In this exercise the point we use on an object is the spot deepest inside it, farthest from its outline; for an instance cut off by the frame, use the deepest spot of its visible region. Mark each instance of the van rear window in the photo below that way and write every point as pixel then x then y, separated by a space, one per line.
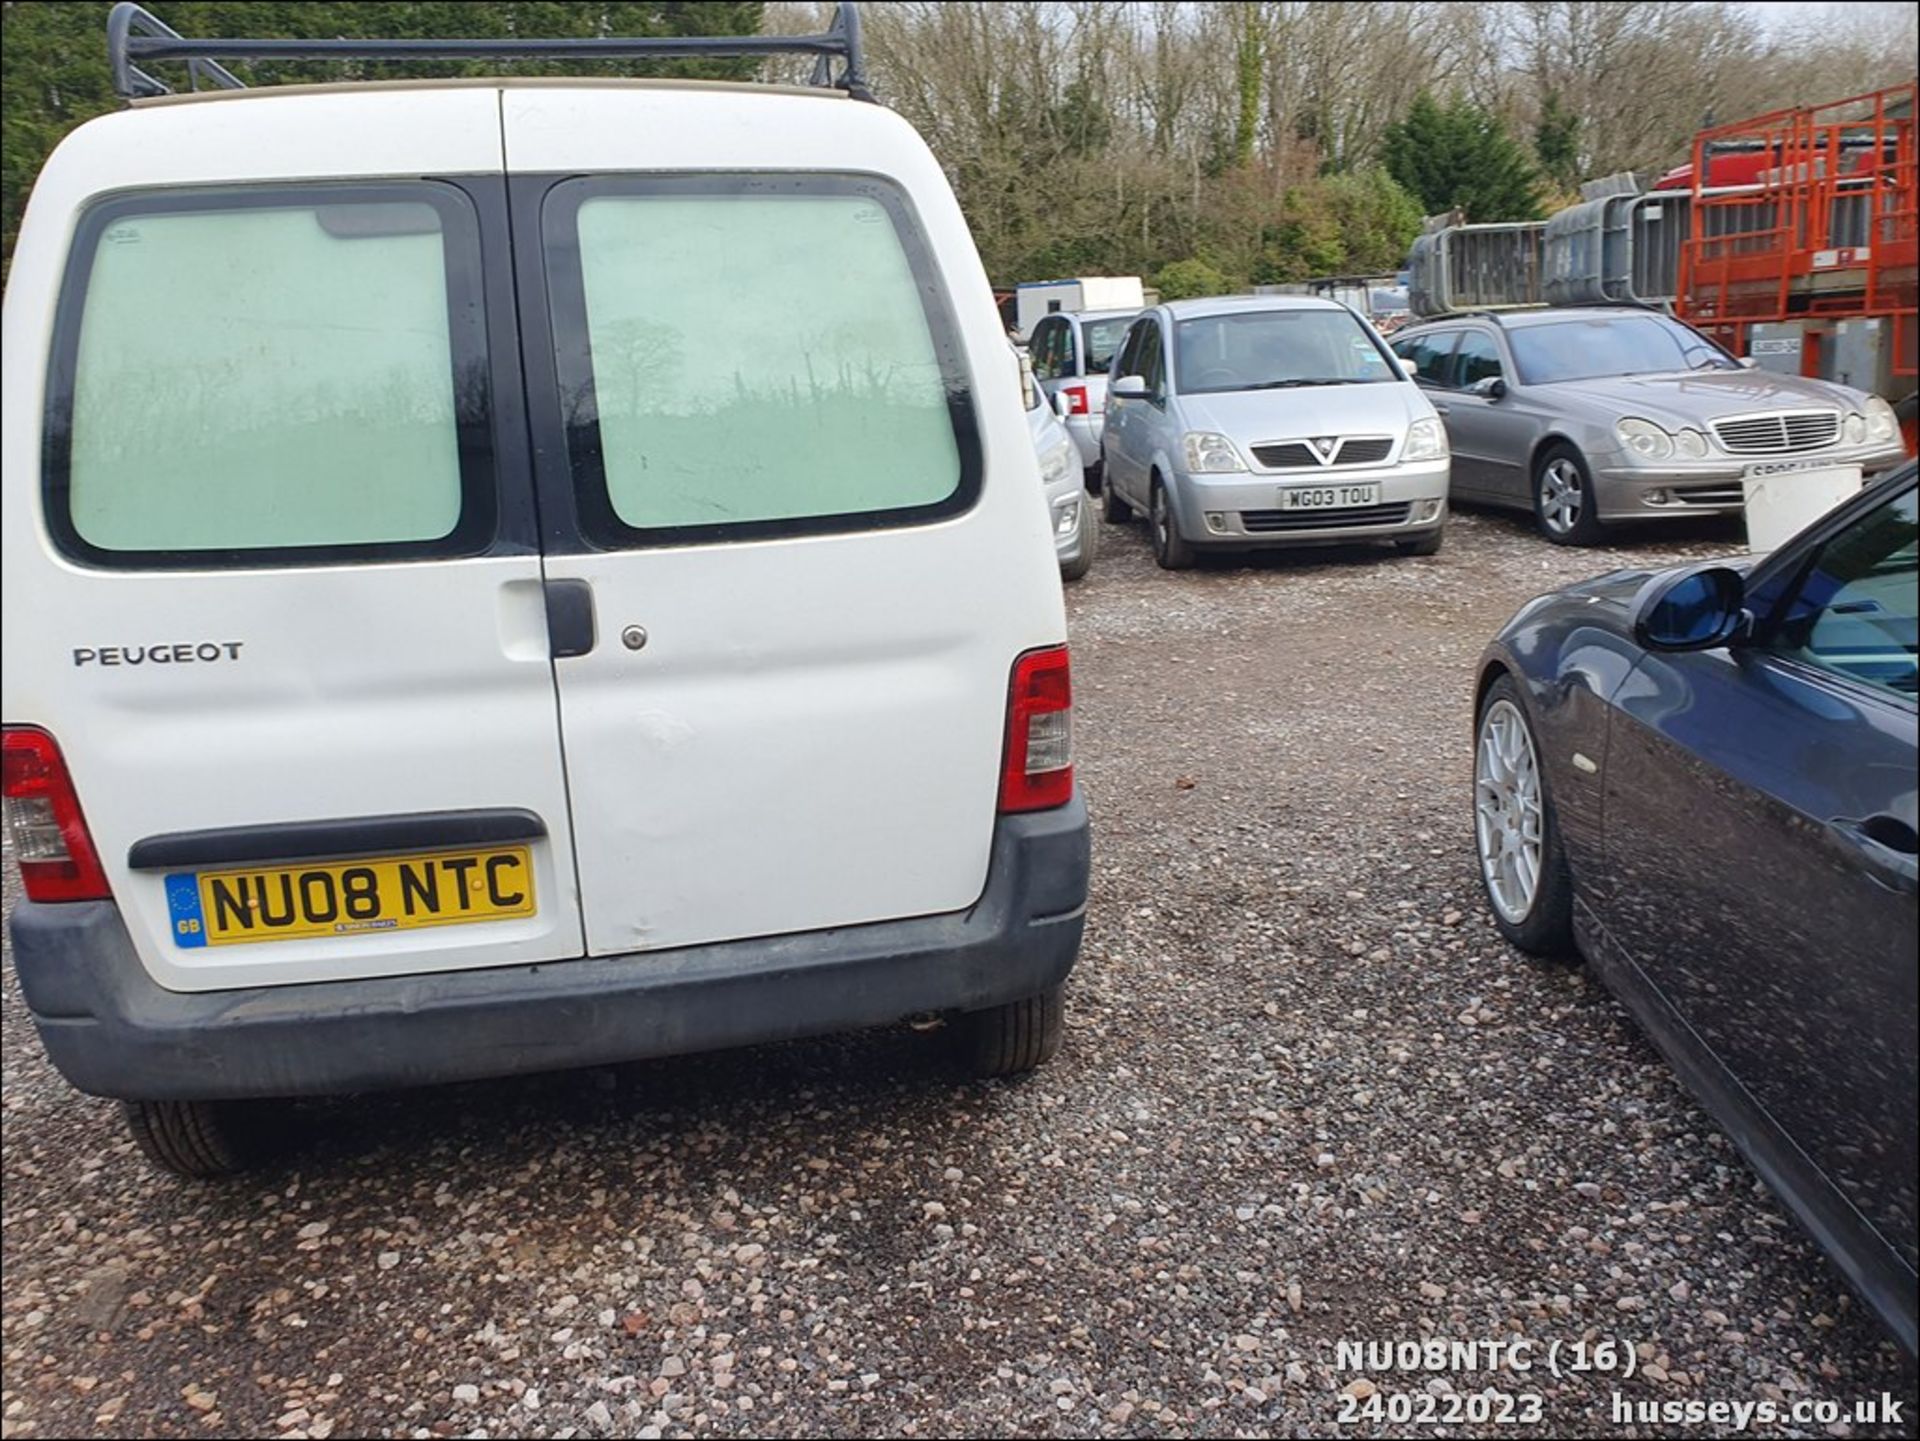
pixel 252 376
pixel 751 356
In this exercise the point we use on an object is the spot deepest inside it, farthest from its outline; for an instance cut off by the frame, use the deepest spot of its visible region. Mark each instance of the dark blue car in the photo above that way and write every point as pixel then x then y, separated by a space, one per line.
pixel 1704 780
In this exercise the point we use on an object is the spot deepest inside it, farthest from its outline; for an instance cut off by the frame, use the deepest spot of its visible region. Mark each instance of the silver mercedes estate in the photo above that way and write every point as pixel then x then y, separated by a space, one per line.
pixel 1591 416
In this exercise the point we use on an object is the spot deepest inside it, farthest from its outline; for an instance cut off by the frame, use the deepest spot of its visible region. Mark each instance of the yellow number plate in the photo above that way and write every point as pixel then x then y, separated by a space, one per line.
pixel 344 898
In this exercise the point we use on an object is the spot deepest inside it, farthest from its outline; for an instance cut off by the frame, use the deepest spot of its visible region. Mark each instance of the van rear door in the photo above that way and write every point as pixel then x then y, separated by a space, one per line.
pixel 276 590
pixel 784 452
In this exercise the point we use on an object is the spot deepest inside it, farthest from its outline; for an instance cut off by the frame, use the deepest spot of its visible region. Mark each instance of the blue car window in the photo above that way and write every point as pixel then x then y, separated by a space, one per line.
pixel 1857 609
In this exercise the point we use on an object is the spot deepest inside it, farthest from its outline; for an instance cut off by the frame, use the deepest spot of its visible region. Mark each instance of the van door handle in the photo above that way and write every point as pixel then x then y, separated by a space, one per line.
pixel 1439 410
pixel 1885 845
pixel 569 618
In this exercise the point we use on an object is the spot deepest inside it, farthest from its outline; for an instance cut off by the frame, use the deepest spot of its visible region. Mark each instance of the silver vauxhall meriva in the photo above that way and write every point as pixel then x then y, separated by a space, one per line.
pixel 1243 422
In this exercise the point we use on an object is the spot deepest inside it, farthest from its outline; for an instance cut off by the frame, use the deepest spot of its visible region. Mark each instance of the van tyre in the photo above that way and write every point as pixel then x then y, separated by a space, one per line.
pixel 1089 546
pixel 1170 548
pixel 1013 1039
pixel 1564 506
pixel 196 1139
pixel 1540 923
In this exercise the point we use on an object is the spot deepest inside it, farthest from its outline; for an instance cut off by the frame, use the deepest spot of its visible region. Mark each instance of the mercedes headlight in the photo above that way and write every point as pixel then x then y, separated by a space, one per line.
pixel 1690 444
pixel 1882 424
pixel 1643 439
pixel 1211 453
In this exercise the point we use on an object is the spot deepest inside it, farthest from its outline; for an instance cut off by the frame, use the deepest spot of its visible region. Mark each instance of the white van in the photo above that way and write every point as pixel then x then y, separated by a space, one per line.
pixel 509 575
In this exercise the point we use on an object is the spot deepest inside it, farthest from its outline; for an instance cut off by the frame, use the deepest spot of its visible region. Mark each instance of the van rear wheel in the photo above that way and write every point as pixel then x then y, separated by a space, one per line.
pixel 1013 1039
pixel 196 1139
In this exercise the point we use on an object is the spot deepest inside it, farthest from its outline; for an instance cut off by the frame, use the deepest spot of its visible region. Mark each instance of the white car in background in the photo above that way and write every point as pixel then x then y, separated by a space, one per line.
pixel 1076 529
pixel 1072 351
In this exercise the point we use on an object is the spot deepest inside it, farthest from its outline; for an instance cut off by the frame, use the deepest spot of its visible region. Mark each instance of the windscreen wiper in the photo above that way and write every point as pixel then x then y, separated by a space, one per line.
pixel 1294 384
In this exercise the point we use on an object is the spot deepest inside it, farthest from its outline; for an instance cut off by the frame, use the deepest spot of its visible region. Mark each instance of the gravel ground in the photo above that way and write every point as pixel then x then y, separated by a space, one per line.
pixel 1307 1096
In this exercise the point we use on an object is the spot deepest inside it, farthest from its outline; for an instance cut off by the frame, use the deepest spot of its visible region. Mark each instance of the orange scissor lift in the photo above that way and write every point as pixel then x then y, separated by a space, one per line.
pixel 1803 242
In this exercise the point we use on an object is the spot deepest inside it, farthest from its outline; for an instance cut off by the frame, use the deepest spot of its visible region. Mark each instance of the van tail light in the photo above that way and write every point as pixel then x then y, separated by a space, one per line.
pixel 1076 398
pixel 1037 774
pixel 50 841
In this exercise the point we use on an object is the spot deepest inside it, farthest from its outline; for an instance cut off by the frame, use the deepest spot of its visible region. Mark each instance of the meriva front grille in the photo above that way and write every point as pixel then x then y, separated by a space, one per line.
pixel 1302 454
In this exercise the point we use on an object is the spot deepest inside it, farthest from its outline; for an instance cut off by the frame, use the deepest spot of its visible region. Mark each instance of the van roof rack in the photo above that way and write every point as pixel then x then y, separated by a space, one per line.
pixel 135 34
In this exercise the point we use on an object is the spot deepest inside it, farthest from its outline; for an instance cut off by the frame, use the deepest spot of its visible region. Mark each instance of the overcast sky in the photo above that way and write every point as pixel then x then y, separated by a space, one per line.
pixel 1772 13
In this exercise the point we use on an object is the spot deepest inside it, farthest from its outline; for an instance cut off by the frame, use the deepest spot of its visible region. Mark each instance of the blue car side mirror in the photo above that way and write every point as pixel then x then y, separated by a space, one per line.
pixel 1694 609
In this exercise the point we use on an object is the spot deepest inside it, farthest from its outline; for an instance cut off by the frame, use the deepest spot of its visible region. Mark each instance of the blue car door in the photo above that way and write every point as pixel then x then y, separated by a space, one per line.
pixel 1760 849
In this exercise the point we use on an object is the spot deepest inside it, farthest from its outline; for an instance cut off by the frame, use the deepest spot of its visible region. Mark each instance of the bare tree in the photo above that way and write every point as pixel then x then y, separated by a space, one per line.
pixel 1121 134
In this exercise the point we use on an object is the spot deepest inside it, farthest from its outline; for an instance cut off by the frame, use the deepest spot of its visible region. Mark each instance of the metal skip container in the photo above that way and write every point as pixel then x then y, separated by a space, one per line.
pixel 1586 254
pixel 1658 224
pixel 1619 246
pixel 1475 267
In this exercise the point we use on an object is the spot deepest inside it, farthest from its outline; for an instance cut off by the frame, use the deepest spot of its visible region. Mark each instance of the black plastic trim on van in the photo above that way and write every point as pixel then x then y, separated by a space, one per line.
pixel 496 505
pixel 353 836
pixel 111 1030
pixel 576 510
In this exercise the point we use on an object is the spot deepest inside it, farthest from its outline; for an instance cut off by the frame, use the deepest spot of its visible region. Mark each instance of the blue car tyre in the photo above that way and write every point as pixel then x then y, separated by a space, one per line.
pixel 1522 864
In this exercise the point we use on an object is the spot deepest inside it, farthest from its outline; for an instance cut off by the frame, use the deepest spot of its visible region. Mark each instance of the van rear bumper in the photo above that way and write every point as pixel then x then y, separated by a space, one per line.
pixel 111 1031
